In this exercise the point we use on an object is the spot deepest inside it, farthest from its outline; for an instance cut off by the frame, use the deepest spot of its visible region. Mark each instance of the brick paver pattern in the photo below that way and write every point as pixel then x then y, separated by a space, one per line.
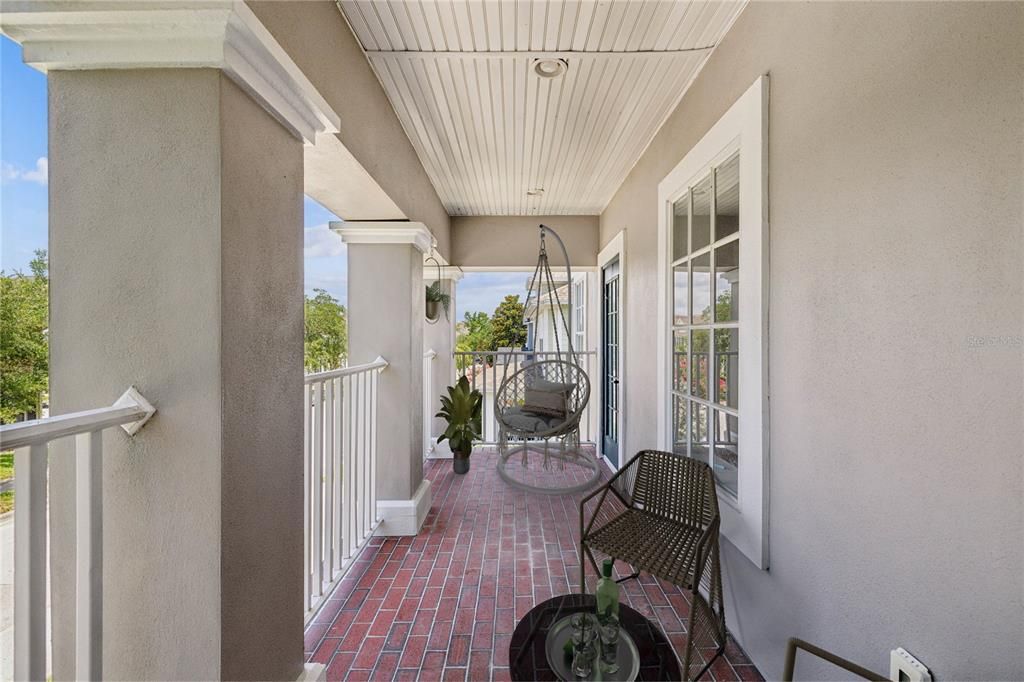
pixel 443 604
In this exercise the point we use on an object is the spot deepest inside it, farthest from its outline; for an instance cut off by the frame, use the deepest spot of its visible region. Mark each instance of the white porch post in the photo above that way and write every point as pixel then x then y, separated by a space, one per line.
pixel 176 176
pixel 386 318
pixel 440 337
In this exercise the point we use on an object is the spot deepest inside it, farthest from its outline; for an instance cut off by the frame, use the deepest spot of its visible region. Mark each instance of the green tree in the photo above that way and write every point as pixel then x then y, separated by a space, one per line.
pixel 509 328
pixel 326 342
pixel 24 347
pixel 474 334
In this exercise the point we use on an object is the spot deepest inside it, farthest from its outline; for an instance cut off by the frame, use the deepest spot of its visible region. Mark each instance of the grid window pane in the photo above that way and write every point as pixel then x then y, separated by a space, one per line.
pixel 680 227
pixel 680 360
pixel 681 294
pixel 726 450
pixel 727 198
pixel 727 282
pixel 699 431
pixel 699 361
pixel 680 424
pixel 700 218
pixel 727 366
pixel 701 267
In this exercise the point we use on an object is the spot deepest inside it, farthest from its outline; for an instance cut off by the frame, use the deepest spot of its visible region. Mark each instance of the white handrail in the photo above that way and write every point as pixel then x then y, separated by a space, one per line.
pixel 379 363
pixel 37 431
pixel 30 441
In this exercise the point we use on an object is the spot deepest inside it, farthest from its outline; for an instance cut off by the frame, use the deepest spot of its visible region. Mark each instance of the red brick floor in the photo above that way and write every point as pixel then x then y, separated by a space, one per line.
pixel 443 604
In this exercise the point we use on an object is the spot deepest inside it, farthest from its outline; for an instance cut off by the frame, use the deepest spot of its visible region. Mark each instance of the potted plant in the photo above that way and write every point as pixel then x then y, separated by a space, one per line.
pixel 437 298
pixel 462 408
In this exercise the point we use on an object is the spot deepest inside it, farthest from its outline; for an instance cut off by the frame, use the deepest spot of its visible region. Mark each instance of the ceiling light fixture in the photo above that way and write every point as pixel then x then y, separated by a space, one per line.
pixel 549 67
pixel 535 192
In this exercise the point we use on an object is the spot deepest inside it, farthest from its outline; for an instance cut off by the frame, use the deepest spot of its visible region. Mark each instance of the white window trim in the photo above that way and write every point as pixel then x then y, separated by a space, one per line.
pixel 615 249
pixel 744 127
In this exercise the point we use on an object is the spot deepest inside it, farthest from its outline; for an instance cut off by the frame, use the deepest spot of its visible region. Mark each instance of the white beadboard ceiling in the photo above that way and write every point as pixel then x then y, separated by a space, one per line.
pixel 488 130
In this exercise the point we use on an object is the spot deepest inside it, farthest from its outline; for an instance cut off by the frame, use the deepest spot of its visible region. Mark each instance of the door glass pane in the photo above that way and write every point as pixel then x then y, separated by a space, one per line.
pixel 727 366
pixel 727 198
pixel 702 289
pixel 699 431
pixel 680 222
pixel 680 423
pixel 700 220
pixel 726 450
pixel 680 343
pixel 727 282
pixel 681 294
pixel 699 353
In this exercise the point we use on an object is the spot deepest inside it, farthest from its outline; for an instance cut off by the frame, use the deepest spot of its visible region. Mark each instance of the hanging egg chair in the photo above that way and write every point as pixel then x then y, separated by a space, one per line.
pixel 541 403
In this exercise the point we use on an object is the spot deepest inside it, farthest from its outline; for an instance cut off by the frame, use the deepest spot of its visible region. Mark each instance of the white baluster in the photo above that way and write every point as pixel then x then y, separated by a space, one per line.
pixel 30 563
pixel 89 556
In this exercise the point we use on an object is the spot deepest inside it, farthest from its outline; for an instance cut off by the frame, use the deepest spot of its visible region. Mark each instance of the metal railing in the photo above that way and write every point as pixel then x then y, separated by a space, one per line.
pixel 340 473
pixel 31 442
pixel 487 369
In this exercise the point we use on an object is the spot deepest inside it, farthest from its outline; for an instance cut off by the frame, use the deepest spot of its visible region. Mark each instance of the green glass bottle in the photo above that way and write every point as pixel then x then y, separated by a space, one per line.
pixel 607 594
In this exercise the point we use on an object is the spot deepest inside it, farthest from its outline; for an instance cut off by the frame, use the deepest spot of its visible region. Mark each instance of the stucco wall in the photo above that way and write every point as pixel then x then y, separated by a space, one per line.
pixel 896 168
pixel 135 276
pixel 385 314
pixel 512 241
pixel 262 369
pixel 317 37
pixel 175 252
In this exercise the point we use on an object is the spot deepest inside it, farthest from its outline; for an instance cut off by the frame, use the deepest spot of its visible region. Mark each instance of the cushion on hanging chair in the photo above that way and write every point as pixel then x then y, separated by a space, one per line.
pixel 518 418
pixel 548 398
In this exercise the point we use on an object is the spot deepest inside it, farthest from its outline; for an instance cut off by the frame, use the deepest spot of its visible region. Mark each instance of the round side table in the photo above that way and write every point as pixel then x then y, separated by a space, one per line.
pixel 528 660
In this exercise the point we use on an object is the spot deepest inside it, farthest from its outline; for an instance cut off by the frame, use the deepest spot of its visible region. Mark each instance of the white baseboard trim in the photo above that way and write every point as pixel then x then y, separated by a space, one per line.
pixel 440 450
pixel 313 672
pixel 404 517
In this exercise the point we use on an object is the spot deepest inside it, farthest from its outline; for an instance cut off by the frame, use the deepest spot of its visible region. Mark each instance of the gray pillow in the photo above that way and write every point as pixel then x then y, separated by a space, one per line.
pixel 548 398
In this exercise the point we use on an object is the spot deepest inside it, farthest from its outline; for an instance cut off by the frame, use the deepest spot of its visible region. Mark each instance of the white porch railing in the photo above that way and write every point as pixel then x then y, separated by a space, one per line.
pixel 30 442
pixel 486 370
pixel 340 467
pixel 428 401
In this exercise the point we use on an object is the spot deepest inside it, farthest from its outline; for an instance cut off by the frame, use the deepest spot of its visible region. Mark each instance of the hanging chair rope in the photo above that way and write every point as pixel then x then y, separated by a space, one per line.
pixel 517 422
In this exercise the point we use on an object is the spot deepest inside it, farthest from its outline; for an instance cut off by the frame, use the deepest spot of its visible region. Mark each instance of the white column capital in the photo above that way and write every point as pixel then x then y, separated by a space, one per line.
pixel 385 232
pixel 145 34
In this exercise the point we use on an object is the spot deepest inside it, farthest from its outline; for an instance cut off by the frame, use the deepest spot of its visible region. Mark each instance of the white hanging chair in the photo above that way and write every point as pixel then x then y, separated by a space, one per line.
pixel 543 401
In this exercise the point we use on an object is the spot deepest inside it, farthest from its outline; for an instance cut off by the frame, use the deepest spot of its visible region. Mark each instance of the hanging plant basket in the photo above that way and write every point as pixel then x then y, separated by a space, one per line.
pixel 436 298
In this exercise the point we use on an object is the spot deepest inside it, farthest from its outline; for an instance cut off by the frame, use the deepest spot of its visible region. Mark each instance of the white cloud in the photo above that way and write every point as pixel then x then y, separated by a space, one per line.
pixel 320 242
pixel 39 175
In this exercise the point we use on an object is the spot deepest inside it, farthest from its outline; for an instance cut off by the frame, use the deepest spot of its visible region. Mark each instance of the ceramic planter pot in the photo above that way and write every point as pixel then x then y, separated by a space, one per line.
pixel 460 464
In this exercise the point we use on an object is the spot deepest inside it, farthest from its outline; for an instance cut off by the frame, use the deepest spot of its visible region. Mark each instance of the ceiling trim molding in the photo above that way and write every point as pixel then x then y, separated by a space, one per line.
pixel 381 232
pixel 452 272
pixel 141 34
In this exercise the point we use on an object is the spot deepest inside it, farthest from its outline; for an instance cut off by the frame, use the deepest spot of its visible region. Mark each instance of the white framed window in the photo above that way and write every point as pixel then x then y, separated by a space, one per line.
pixel 712 315
pixel 579 322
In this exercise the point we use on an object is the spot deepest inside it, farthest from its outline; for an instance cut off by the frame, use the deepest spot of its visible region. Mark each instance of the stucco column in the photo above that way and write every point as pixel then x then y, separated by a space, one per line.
pixel 386 317
pixel 440 337
pixel 175 241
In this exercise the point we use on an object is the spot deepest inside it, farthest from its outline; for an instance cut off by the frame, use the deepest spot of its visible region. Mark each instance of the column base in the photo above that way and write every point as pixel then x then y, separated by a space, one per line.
pixel 313 672
pixel 404 517
pixel 440 450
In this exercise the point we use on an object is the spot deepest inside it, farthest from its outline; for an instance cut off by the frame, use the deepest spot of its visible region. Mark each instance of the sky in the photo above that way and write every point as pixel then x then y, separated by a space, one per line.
pixel 23 199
